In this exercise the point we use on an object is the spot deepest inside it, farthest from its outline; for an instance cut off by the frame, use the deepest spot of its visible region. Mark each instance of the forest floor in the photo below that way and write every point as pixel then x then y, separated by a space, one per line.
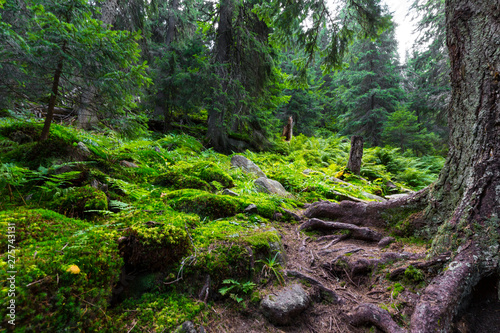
pixel 317 256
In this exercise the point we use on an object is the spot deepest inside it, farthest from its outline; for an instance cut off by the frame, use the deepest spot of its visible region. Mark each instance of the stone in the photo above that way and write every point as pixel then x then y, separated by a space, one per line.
pixel 128 164
pixel 252 209
pixel 186 327
pixel 157 149
pixel 248 166
pixel 373 197
pixel 385 241
pixel 83 147
pixel 229 192
pixel 284 306
pixel 270 186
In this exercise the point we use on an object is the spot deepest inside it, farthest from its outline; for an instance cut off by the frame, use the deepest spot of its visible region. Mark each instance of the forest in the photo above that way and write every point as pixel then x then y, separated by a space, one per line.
pixel 249 166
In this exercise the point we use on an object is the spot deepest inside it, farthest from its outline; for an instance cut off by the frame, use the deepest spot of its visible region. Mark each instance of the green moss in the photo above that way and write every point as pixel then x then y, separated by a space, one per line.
pixel 154 246
pixel 204 203
pixel 81 200
pixel 155 312
pixel 207 171
pixel 49 297
pixel 180 180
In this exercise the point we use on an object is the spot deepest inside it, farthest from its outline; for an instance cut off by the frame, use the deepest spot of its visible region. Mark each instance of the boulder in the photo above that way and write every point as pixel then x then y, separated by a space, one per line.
pixel 251 209
pixel 248 166
pixel 128 164
pixel 270 186
pixel 83 147
pixel 186 327
pixel 283 307
pixel 229 192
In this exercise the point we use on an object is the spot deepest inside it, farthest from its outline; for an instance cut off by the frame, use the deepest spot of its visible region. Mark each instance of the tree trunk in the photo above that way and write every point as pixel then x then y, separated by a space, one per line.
pixel 172 22
pixel 53 97
pixel 464 204
pixel 87 116
pixel 356 155
pixel 217 131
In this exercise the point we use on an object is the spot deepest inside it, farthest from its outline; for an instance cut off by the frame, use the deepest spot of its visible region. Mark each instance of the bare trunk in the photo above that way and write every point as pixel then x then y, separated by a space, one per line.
pixel 356 155
pixel 172 22
pixel 216 131
pixel 87 115
pixel 465 202
pixel 53 97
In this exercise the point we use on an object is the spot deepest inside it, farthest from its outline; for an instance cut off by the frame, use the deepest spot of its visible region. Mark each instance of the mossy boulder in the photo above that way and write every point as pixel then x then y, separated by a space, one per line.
pixel 206 171
pixel 62 268
pixel 204 203
pixel 80 201
pixel 154 246
pixel 179 180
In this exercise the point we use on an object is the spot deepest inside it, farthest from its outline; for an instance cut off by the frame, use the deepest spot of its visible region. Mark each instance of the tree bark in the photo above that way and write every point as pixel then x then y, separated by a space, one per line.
pixel 355 155
pixel 87 116
pixel 216 131
pixel 53 97
pixel 465 202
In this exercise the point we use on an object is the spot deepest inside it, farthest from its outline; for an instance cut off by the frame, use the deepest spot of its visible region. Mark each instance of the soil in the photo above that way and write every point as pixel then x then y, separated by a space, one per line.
pixel 311 255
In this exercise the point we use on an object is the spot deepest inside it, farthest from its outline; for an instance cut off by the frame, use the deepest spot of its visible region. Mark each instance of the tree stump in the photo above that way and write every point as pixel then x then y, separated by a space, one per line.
pixel 356 154
pixel 288 129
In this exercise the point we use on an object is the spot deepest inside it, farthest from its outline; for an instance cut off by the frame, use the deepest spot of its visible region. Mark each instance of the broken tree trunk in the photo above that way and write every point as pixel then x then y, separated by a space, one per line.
pixel 356 155
pixel 288 130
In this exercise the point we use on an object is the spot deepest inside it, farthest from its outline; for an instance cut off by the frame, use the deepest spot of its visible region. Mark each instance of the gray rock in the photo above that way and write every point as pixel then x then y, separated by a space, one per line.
pixel 83 147
pixel 397 196
pixel 229 192
pixel 128 164
pixel 373 197
pixel 186 327
pixel 252 209
pixel 270 186
pixel 385 241
pixel 247 165
pixel 283 307
pixel 157 149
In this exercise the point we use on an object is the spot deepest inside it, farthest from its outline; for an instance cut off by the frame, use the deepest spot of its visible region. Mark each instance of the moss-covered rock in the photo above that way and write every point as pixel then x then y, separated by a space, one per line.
pixel 204 203
pixel 178 180
pixel 80 201
pixel 154 246
pixel 65 273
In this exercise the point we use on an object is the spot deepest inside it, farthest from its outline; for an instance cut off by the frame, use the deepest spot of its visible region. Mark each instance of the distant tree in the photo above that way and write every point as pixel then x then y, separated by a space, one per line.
pixel 66 50
pixel 368 91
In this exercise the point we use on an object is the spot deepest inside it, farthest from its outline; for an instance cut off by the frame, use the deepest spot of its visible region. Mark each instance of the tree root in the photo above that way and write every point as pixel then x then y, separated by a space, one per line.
pixel 445 296
pixel 361 266
pixel 356 232
pixel 368 214
pixel 438 261
pixel 334 297
pixel 371 314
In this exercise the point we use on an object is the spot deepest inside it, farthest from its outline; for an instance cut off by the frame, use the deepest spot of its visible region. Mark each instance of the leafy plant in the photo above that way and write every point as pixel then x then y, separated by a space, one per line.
pixel 238 289
pixel 273 266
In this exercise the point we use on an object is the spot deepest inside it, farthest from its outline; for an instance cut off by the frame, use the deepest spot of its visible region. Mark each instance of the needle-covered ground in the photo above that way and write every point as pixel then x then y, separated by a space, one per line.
pixel 143 235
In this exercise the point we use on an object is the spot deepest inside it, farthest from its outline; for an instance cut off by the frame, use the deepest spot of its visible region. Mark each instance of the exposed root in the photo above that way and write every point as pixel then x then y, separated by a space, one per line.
pixel 438 261
pixel 446 295
pixel 369 214
pixel 356 232
pixel 361 266
pixel 334 297
pixel 371 314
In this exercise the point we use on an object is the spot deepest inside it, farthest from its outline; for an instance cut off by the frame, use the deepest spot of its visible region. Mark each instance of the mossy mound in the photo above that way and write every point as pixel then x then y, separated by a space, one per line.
pixel 204 203
pixel 37 225
pixel 81 201
pixel 177 180
pixel 154 246
pixel 60 147
pixel 206 171
pixel 63 283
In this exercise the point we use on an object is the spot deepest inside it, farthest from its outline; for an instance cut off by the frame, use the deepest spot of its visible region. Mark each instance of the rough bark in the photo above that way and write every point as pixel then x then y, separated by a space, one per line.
pixel 288 129
pixel 465 201
pixel 371 314
pixel 355 155
pixel 87 115
pixel 216 130
pixel 356 232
